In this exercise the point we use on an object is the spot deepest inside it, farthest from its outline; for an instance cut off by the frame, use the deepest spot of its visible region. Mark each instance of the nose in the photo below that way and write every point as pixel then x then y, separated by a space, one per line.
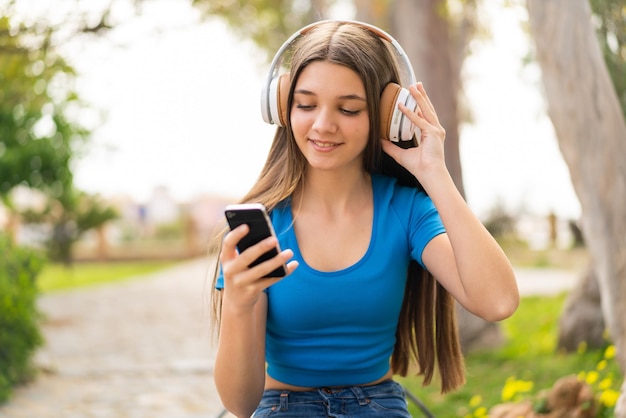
pixel 324 120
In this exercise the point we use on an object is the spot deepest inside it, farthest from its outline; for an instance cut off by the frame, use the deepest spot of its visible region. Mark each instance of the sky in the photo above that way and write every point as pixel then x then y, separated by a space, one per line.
pixel 180 99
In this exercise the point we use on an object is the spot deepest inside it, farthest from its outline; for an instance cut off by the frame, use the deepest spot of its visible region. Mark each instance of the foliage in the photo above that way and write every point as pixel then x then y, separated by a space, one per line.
pixel 528 361
pixel 71 214
pixel 266 22
pixel 19 329
pixel 611 28
pixel 37 139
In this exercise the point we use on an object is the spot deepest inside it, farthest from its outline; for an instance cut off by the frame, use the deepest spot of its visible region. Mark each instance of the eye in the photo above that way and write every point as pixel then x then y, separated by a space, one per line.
pixel 350 112
pixel 304 106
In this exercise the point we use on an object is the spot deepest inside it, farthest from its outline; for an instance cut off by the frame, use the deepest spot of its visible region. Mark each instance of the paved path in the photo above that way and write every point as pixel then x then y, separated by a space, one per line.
pixel 142 348
pixel 137 349
pixel 545 281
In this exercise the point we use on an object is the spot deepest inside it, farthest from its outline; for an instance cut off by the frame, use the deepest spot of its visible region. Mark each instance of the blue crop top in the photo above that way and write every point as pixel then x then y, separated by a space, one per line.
pixel 338 328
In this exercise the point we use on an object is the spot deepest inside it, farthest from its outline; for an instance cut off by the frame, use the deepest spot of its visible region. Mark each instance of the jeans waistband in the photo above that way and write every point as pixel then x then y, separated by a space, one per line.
pixel 359 392
pixel 383 399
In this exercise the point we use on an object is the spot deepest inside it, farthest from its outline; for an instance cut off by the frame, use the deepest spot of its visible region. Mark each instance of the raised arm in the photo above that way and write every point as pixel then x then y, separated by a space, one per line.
pixel 466 260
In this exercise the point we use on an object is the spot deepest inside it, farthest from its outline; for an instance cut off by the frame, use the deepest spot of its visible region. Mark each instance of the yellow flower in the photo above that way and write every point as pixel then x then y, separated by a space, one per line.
pixel 513 386
pixel 609 398
pixel 525 385
pixel 605 383
pixel 475 401
pixel 481 412
pixel 609 353
pixel 601 365
pixel 592 377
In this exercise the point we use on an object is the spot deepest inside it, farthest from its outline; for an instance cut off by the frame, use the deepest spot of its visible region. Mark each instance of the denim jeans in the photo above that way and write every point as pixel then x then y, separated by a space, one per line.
pixel 385 399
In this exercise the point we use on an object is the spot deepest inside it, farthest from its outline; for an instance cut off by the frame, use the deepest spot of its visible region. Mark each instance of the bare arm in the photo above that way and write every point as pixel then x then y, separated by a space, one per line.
pixel 240 361
pixel 466 260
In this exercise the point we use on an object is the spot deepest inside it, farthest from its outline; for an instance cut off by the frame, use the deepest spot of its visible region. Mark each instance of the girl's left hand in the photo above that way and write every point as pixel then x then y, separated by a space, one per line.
pixel 429 157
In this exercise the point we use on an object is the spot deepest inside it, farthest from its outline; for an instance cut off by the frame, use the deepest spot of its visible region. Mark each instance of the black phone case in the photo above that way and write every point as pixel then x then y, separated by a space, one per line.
pixel 259 230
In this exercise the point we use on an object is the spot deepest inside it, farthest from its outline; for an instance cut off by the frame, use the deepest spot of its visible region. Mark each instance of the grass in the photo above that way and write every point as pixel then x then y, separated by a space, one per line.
pixel 529 355
pixel 55 277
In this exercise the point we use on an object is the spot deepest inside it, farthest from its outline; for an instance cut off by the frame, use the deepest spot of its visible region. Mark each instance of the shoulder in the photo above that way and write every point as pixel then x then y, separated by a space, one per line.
pixel 408 205
pixel 387 190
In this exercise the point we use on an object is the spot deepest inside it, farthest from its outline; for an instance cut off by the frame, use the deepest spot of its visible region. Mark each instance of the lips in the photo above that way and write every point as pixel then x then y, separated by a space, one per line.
pixel 324 145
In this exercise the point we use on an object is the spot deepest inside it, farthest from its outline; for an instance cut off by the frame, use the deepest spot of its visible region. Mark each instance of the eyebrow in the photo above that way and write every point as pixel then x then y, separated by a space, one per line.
pixel 344 97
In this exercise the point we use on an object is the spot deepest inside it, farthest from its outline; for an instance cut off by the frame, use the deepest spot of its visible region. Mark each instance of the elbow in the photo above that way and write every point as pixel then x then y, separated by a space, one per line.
pixel 495 306
pixel 502 311
pixel 502 307
pixel 239 412
pixel 505 300
pixel 238 401
pixel 241 408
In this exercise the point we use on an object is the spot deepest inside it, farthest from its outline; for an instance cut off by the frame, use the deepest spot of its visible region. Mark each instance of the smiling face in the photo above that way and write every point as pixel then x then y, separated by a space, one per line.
pixel 329 116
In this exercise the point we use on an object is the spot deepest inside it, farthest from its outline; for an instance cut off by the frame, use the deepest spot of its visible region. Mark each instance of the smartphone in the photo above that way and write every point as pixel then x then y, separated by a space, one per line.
pixel 255 216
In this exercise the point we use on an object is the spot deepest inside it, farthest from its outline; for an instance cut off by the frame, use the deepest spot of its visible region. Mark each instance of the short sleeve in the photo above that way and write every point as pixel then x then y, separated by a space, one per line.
pixel 425 225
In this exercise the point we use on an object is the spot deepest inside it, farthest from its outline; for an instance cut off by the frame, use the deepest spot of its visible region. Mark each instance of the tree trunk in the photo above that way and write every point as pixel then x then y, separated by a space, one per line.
pixel 582 321
pixel 591 131
pixel 102 253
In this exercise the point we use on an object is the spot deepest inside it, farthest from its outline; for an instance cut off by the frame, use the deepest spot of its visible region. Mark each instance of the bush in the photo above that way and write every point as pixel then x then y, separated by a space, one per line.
pixel 19 319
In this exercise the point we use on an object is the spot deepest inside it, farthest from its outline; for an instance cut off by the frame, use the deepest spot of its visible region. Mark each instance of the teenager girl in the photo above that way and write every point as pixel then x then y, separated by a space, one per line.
pixel 373 263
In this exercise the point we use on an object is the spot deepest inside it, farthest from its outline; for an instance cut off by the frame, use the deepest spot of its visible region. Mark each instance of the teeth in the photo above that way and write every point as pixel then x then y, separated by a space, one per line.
pixel 324 144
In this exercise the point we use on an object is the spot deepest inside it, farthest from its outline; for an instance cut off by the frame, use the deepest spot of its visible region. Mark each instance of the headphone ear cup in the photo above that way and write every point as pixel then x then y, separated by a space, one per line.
pixel 274 100
pixel 394 125
pixel 282 98
pixel 388 102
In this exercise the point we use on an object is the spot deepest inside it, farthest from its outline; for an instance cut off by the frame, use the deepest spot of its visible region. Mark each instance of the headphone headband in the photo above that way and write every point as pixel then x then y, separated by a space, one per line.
pixel 274 67
pixel 395 126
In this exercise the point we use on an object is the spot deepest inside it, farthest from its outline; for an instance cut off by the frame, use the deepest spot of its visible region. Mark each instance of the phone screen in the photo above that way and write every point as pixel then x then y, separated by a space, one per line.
pixel 255 216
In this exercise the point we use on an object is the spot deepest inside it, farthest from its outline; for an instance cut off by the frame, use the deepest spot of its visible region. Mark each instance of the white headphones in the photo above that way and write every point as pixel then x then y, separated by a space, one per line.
pixel 395 126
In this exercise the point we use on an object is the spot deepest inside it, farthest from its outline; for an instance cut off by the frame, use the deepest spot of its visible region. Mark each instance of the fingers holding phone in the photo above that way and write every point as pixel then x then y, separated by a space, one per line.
pixel 250 250
pixel 263 259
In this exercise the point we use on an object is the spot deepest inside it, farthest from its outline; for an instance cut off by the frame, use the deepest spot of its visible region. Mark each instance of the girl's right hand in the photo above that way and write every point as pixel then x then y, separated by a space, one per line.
pixel 243 285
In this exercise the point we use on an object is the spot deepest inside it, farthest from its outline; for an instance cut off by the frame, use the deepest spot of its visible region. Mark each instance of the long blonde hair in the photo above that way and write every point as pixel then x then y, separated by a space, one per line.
pixel 427 330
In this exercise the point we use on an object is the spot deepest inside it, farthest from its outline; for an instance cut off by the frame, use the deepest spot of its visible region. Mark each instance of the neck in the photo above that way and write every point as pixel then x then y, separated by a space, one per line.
pixel 332 191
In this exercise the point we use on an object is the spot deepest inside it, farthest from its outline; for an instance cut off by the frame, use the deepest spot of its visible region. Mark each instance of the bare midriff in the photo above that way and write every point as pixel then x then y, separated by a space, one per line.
pixel 271 383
